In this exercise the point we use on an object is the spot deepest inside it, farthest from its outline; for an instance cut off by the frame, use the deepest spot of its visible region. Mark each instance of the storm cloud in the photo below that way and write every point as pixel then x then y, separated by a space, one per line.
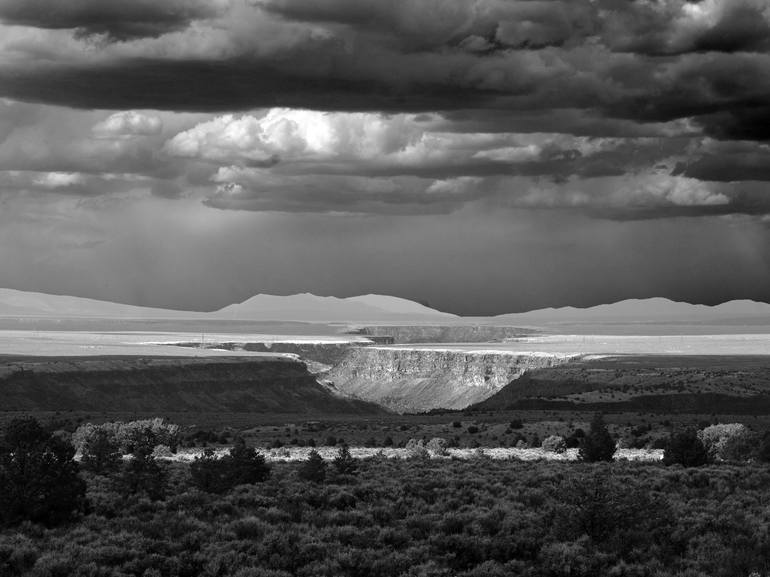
pixel 577 113
pixel 114 19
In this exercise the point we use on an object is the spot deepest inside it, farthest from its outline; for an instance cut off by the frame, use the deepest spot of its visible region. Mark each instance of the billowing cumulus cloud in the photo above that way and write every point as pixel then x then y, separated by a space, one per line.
pixel 128 124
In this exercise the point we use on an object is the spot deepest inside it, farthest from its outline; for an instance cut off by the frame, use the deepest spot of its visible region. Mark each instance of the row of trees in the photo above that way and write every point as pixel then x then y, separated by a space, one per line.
pixel 40 478
pixel 691 448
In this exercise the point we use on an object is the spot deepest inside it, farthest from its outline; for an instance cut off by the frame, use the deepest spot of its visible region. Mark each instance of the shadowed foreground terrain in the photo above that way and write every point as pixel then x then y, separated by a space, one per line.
pixel 161 385
pixel 419 518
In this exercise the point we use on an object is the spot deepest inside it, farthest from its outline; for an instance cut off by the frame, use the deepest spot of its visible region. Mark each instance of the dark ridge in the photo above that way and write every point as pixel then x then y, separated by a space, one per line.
pixel 702 384
pixel 162 384
pixel 690 403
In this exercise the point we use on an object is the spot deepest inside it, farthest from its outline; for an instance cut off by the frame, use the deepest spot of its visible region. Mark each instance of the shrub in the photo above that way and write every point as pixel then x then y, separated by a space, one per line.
pixel 516 424
pixel 344 463
pixel 416 448
pixel 716 437
pixel 314 468
pixel 208 474
pixel 763 450
pixel 741 447
pixel 554 444
pixel 598 444
pixel 243 465
pixel 437 446
pixel 685 448
pixel 142 435
pixel 100 453
pixel 38 476
pixel 143 475
pixel 161 452
pixel 246 466
pixel 473 429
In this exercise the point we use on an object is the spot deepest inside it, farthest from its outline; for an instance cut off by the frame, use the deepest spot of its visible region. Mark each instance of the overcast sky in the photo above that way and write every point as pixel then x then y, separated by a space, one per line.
pixel 483 156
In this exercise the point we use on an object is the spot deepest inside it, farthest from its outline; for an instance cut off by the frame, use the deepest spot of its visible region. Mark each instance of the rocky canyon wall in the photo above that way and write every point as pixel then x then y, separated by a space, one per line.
pixel 421 379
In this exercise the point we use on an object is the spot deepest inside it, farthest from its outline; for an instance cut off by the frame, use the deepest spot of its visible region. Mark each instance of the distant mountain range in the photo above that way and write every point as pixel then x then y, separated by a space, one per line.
pixel 652 310
pixel 382 308
pixel 309 307
pixel 300 307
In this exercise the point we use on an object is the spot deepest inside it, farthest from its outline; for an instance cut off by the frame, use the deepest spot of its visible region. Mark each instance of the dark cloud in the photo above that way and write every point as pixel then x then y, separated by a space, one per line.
pixel 528 57
pixel 729 162
pixel 435 147
pixel 524 92
pixel 115 19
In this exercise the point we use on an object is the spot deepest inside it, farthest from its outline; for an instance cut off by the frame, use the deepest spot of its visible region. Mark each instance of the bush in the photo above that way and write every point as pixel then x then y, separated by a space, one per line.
pixel 142 435
pixel 598 444
pixel 437 446
pixel 763 449
pixel 716 438
pixel 416 449
pixel 554 444
pixel 243 465
pixel 208 474
pixel 39 479
pixel 100 453
pixel 685 448
pixel 314 468
pixel 741 447
pixel 143 475
pixel 344 463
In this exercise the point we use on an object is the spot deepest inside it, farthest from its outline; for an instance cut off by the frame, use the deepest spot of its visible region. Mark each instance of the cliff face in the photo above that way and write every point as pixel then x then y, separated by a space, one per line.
pixel 441 334
pixel 164 384
pixel 421 379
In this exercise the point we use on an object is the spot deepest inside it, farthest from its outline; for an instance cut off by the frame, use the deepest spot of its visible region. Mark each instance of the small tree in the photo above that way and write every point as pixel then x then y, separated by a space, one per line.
pixel 208 474
pixel 243 465
pixel 143 475
pixel 685 448
pixel 598 444
pixel 100 452
pixel 741 447
pixel 314 468
pixel 38 476
pixel 344 463
pixel 717 437
pixel 246 465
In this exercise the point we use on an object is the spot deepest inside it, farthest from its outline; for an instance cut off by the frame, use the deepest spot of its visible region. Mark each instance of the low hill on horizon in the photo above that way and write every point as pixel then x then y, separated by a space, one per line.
pixel 651 310
pixel 308 307
pixel 299 307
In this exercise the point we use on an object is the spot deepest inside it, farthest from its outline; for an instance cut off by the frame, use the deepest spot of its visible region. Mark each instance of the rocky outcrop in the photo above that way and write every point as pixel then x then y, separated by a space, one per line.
pixel 421 379
pixel 161 385
pixel 398 334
